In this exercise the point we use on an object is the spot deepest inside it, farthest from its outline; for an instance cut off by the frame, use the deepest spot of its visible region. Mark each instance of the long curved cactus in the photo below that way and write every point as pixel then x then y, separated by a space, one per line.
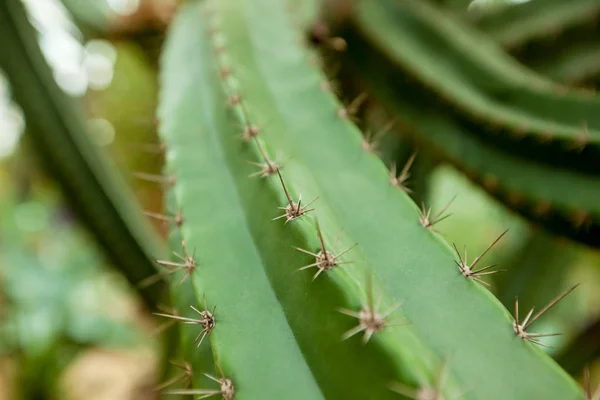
pixel 260 150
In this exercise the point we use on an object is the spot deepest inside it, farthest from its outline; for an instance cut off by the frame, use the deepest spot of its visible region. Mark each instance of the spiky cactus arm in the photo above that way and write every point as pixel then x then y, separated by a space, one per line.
pixel 238 89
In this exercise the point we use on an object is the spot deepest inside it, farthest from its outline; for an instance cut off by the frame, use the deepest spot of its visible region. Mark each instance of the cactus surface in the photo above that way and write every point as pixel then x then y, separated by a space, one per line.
pixel 239 94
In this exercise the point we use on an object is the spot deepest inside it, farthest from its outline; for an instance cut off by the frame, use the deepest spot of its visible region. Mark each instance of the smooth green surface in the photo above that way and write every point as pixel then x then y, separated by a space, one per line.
pixel 90 182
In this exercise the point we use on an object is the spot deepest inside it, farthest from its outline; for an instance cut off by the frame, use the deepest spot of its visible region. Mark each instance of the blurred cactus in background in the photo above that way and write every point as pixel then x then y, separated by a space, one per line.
pixel 315 199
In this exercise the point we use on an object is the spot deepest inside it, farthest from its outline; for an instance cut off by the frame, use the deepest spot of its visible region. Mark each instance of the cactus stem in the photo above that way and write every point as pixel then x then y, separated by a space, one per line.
pixel 186 377
pixel 350 111
pixel 469 271
pixel 401 181
pixel 164 180
pixel 425 216
pixel 324 259
pixel 293 210
pixel 177 218
pixel 521 328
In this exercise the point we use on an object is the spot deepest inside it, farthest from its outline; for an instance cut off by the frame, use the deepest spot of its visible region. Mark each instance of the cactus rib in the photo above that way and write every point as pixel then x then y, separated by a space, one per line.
pixel 524 185
pixel 516 25
pixel 480 86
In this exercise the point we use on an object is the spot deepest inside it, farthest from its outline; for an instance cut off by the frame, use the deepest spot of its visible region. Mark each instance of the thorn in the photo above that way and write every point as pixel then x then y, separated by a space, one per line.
pixel 425 392
pixel 401 180
pixel 425 216
pixel 163 327
pixel 234 99
pixel 581 219
pixel 469 271
pixel 521 328
pixel 225 71
pixel 177 218
pixel 370 321
pixel 226 390
pixel 324 259
pixel 207 321
pixel 293 210
pixel 250 132
pixel 188 263
pixel 164 180
pixel 186 377
pixel 582 140
pixel 267 168
pixel 371 141
pixel 587 386
pixel 153 148
pixel 352 109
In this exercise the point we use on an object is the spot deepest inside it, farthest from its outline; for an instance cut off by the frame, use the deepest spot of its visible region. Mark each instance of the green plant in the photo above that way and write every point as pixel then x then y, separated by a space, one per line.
pixel 60 132
pixel 301 268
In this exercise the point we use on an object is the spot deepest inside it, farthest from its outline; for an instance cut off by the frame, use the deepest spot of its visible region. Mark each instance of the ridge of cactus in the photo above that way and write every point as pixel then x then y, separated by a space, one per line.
pixel 478 84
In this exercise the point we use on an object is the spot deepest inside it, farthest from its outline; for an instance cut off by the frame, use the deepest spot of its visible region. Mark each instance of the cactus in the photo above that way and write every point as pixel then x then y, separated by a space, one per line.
pixel 519 25
pixel 478 84
pixel 291 220
pixel 486 161
pixel 554 38
pixel 301 268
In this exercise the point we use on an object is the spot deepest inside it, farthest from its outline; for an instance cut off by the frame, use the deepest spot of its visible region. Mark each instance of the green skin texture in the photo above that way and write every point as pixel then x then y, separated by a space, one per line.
pixel 267 310
pixel 566 191
pixel 480 84
pixel 90 182
pixel 576 64
pixel 555 38
pixel 518 24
